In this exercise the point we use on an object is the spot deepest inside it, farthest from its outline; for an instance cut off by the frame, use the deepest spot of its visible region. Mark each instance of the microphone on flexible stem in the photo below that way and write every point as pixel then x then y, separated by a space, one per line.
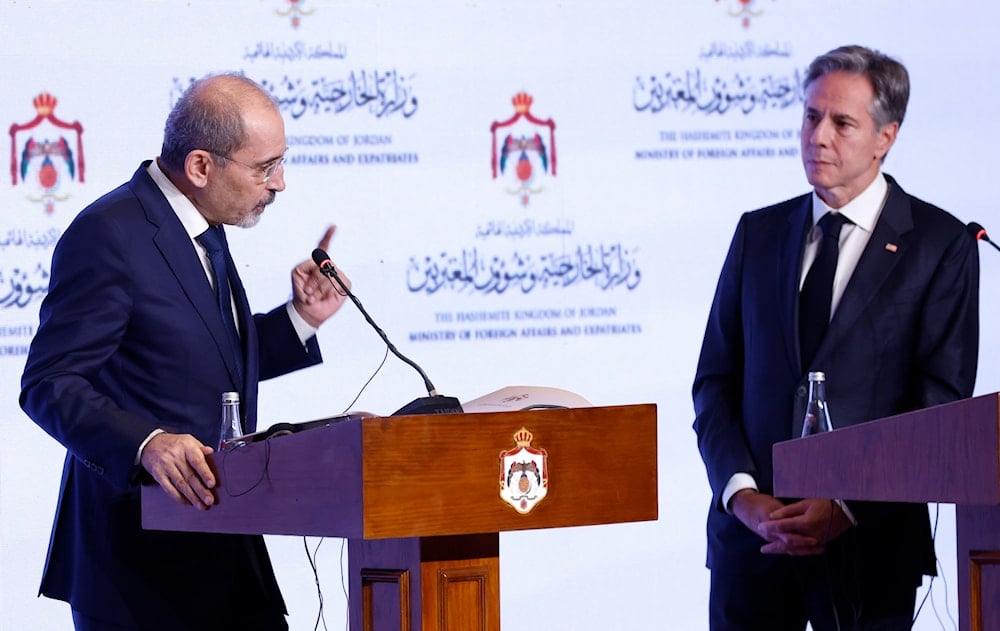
pixel 979 232
pixel 434 403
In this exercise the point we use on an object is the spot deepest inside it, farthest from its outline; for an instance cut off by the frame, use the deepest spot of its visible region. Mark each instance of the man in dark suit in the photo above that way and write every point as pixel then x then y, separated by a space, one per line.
pixel 133 353
pixel 901 333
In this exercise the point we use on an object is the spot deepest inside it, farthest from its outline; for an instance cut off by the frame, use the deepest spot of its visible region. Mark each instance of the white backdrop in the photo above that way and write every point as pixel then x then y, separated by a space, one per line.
pixel 595 274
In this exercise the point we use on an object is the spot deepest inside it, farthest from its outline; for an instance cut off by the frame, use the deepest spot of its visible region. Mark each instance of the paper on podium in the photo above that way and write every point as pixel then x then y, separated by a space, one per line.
pixel 514 398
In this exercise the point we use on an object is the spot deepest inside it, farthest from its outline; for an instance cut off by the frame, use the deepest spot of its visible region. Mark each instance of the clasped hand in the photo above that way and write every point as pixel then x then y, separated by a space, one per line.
pixel 801 528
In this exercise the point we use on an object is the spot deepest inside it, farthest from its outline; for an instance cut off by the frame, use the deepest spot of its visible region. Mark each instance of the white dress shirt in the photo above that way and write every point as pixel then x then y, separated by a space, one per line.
pixel 194 224
pixel 863 212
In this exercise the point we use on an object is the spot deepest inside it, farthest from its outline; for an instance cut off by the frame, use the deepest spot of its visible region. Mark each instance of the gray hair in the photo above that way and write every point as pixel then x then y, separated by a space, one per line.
pixel 209 116
pixel 888 77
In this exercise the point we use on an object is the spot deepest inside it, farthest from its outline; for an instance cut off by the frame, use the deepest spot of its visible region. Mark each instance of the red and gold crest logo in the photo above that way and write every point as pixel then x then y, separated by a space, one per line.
pixel 524 475
pixel 47 160
pixel 525 155
pixel 744 10
pixel 296 9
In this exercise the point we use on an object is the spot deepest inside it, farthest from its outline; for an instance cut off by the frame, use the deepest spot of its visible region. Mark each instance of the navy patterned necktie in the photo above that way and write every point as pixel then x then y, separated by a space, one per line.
pixel 214 241
pixel 816 296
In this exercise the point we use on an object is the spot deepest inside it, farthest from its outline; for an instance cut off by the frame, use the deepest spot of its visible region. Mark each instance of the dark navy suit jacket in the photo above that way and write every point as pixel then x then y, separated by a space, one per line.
pixel 130 340
pixel 905 336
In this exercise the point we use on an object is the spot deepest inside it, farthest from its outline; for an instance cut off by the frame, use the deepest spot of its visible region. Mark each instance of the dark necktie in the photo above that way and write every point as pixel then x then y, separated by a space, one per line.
pixel 817 290
pixel 214 241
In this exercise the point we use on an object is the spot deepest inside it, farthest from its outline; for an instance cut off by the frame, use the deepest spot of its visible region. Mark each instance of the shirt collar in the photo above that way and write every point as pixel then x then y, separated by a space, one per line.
pixel 193 221
pixel 863 210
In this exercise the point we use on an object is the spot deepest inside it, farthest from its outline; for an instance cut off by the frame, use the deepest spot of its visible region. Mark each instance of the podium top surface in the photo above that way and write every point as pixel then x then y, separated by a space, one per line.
pixel 947 453
pixel 431 475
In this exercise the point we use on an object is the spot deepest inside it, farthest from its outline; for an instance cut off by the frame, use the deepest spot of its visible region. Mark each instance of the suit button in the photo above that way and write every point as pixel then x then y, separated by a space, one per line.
pixel 96 468
pixel 802 391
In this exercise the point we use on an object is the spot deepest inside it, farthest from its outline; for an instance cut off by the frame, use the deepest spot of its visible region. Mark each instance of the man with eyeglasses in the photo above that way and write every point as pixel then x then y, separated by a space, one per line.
pixel 138 339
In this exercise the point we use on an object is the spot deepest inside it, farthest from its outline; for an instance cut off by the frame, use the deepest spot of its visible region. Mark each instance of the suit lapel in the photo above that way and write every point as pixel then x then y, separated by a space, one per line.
pixel 175 246
pixel 790 271
pixel 886 248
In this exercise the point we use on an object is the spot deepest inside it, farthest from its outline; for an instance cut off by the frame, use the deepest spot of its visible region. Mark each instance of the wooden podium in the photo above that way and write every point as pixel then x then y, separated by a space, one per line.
pixel 949 453
pixel 419 499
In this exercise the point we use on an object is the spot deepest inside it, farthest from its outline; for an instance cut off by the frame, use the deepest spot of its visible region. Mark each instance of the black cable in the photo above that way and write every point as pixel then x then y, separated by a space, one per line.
pixel 315 571
pixel 930 584
pixel 343 587
pixel 829 574
pixel 329 270
pixel 263 471
pixel 377 371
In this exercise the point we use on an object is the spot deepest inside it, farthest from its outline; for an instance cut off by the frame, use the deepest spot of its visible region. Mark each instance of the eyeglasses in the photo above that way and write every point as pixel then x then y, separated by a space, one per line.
pixel 268 170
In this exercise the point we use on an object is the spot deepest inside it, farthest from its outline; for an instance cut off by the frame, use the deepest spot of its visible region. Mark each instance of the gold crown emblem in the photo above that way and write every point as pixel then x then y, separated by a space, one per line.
pixel 44 103
pixel 523 438
pixel 522 102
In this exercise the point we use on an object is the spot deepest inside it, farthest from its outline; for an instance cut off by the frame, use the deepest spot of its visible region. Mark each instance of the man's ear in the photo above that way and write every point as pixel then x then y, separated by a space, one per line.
pixel 886 138
pixel 197 166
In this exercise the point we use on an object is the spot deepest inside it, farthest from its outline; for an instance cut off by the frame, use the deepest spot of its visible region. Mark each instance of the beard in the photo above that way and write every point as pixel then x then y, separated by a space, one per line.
pixel 250 219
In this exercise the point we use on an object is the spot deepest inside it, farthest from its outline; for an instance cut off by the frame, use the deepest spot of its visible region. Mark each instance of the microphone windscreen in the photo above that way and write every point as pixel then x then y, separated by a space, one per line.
pixel 320 257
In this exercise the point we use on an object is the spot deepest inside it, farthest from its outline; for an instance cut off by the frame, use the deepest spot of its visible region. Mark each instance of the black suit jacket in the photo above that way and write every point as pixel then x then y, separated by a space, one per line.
pixel 130 340
pixel 904 337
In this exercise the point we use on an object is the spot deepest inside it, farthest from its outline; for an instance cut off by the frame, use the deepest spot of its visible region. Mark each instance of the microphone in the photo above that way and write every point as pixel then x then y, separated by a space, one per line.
pixel 434 403
pixel 979 232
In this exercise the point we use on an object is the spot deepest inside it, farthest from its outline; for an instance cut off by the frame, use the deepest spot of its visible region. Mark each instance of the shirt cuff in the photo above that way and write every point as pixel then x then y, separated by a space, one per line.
pixel 847 512
pixel 737 483
pixel 302 328
pixel 142 445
